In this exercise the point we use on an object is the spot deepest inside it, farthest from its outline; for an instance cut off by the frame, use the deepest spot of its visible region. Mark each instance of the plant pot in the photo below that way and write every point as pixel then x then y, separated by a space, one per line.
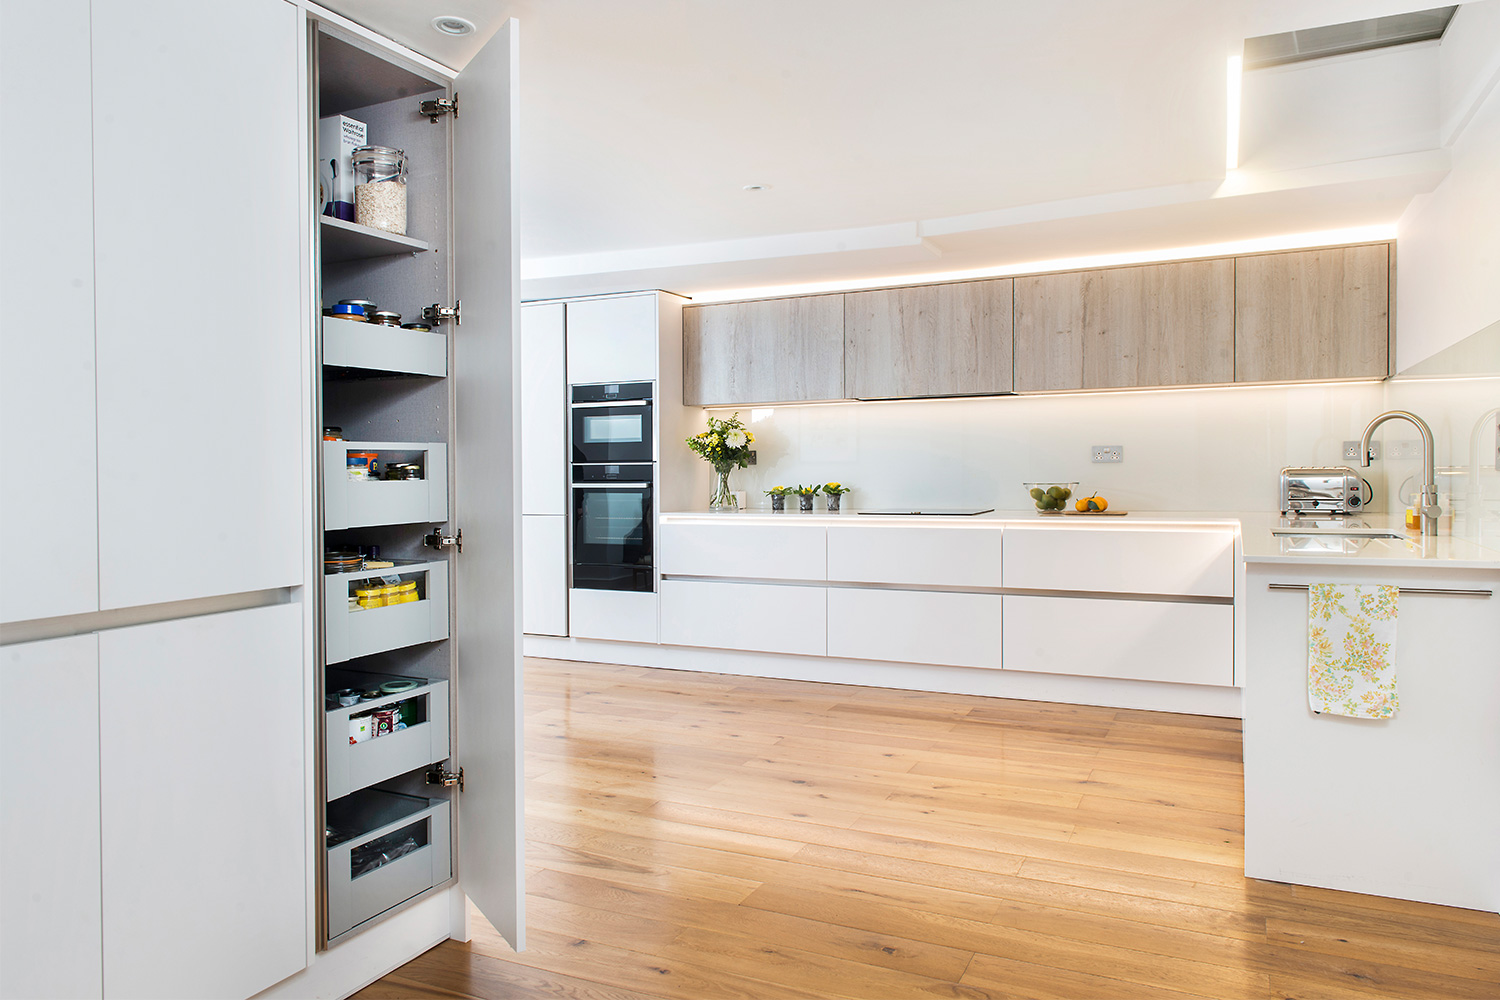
pixel 778 503
pixel 804 503
pixel 833 503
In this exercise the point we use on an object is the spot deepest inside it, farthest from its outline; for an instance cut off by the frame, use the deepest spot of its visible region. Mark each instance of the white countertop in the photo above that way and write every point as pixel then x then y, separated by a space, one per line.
pixel 1478 548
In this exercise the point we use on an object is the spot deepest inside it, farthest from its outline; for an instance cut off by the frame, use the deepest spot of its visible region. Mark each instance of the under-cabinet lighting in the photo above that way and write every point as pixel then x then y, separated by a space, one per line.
pixel 1232 143
pixel 1263 244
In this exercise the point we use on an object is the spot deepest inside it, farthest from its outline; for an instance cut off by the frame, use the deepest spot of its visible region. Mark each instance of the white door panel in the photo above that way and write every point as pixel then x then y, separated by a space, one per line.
pixel 199 277
pixel 544 410
pixel 612 340
pixel 49 826
pixel 1195 562
pixel 544 567
pixel 961 630
pixel 49 543
pixel 487 497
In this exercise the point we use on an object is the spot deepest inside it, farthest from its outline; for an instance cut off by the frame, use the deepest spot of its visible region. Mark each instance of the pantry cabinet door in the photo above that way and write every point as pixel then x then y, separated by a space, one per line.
pixel 49 825
pixel 201 234
pixel 49 560
pixel 487 487
pixel 203 806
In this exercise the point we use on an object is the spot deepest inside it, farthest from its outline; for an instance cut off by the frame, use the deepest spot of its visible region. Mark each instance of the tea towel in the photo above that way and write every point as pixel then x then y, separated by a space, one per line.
pixel 1351 650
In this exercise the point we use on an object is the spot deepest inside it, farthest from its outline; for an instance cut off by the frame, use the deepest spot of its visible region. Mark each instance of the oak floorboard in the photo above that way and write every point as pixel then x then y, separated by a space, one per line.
pixel 694 836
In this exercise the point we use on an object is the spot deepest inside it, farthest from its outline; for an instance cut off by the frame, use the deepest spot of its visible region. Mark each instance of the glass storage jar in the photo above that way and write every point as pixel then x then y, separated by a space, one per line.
pixel 380 188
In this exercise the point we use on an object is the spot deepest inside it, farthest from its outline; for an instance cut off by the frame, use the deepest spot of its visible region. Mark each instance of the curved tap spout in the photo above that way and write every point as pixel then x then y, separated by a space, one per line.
pixel 1430 509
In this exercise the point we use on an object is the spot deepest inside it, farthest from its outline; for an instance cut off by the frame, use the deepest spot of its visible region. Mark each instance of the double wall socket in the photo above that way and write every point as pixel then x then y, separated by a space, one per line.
pixel 1109 453
pixel 1351 451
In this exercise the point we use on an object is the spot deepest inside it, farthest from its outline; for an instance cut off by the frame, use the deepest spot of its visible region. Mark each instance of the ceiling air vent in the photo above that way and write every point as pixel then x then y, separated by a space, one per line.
pixel 1351 36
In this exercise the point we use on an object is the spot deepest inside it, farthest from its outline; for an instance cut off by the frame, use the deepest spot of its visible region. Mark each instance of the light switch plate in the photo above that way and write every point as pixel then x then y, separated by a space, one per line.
pixel 1109 453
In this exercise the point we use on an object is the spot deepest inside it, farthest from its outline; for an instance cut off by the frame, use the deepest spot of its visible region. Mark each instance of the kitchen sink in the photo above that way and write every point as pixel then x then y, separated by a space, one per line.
pixel 1336 533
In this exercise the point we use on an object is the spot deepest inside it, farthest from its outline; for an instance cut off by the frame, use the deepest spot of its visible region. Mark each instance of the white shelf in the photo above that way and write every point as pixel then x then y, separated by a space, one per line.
pixel 352 901
pixel 357 503
pixel 378 348
pixel 351 241
pixel 348 634
pixel 352 766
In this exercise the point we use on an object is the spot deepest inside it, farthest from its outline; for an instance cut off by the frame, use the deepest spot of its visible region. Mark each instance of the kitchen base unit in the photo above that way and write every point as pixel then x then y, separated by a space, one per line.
pixel 1408 806
pixel 619 615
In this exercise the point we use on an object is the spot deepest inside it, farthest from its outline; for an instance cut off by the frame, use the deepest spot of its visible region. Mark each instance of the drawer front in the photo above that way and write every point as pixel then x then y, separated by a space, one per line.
pixel 1139 640
pixel 936 555
pixel 750 551
pixel 348 634
pixel 1197 562
pixel 761 617
pixel 373 347
pixel 351 900
pixel 352 766
pixel 352 503
pixel 915 627
pixel 620 615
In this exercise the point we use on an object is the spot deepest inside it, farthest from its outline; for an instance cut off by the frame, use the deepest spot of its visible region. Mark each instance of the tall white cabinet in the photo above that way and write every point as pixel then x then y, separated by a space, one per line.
pixel 544 469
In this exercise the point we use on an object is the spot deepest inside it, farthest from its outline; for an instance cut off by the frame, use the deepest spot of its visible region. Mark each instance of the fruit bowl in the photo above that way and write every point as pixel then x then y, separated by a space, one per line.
pixel 1052 497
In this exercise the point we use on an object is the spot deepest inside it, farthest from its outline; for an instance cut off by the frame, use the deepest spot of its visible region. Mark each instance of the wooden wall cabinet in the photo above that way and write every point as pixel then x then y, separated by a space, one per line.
pixel 928 340
pixel 1313 315
pixel 769 351
pixel 1126 327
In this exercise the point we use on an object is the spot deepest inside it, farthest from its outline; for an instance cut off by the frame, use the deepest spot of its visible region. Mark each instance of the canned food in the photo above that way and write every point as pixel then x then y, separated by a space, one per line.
pixel 347 312
pixel 363 464
pixel 384 317
pixel 360 728
pixel 347 697
pixel 419 327
pixel 385 721
pixel 365 306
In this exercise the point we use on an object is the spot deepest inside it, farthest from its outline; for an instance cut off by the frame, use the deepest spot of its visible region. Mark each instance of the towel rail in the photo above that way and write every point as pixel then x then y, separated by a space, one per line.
pixel 1429 591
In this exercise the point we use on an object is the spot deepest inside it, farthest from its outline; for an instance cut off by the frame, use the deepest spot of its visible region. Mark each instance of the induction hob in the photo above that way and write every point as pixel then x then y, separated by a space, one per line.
pixel 932 512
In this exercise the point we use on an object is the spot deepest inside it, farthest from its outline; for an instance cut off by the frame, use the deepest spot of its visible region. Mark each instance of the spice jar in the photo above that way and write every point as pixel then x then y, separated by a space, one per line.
pixel 380 188
pixel 384 317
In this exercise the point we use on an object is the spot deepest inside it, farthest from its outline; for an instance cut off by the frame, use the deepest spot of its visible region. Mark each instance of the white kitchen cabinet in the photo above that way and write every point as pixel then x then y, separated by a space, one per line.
pixel 1140 640
pixel 922 555
pixel 50 916
pixel 914 626
pixel 199 330
pixel 1409 806
pixel 621 615
pixel 612 339
pixel 754 551
pixel 544 409
pixel 1186 561
pixel 752 616
pixel 203 817
pixel 544 574
pixel 49 553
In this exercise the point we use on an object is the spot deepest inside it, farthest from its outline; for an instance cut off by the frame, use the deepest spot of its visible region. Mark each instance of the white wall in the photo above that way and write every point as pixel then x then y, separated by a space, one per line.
pixel 1448 242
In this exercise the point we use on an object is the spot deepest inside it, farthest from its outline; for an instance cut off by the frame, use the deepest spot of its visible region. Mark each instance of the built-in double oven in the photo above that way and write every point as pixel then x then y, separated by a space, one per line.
pixel 613 480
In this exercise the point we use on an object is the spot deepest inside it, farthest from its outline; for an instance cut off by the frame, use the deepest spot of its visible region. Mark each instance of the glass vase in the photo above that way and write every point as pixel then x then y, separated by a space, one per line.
pixel 722 498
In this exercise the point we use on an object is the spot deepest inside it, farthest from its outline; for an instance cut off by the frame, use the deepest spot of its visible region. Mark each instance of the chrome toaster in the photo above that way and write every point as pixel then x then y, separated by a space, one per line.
pixel 1327 492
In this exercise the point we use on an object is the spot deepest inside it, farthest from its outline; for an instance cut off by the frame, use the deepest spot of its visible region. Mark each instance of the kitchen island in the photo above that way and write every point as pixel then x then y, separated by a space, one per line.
pixel 1407 806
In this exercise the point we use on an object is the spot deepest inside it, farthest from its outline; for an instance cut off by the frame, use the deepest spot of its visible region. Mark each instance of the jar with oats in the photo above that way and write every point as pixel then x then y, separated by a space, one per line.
pixel 380 188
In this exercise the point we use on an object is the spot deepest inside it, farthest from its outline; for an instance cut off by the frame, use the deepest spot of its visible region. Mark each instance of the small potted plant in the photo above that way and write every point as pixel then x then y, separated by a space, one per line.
pixel 805 496
pixel 725 445
pixel 778 496
pixel 833 491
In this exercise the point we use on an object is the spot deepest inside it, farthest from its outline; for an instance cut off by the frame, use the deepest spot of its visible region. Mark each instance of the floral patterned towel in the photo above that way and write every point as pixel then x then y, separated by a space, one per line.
pixel 1351 641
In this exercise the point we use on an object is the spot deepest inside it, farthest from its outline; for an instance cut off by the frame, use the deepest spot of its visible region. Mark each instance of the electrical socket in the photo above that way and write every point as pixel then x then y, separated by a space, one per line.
pixel 752 456
pixel 1109 453
pixel 1351 450
pixel 1406 449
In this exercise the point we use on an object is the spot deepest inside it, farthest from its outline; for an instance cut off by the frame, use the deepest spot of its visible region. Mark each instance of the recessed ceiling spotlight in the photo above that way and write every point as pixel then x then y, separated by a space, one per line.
pixel 448 24
pixel 757 187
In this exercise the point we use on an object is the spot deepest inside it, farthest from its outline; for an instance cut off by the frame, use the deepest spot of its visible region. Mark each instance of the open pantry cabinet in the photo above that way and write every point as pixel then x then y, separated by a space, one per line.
pixel 418 663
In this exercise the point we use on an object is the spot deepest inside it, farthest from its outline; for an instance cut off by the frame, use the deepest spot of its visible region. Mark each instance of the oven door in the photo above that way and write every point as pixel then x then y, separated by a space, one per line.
pixel 612 542
pixel 612 432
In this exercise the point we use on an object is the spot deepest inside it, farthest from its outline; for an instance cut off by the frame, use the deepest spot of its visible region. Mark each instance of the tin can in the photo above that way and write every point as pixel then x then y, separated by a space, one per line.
pixel 406 712
pixel 360 728
pixel 385 721
pixel 348 696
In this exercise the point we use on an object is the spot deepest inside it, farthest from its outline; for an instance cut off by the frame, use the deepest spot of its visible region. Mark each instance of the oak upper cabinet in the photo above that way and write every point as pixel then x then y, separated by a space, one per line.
pixel 1313 314
pixel 1153 325
pixel 770 351
pixel 928 340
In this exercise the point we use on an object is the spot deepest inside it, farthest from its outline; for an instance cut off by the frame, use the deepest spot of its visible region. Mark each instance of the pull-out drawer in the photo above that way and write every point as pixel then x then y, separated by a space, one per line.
pixel 379 348
pixel 925 555
pixel 357 757
pixel 362 503
pixel 1140 640
pixel 1191 561
pixel 351 631
pixel 753 616
pixel 960 630
pixel 749 551
pixel 383 849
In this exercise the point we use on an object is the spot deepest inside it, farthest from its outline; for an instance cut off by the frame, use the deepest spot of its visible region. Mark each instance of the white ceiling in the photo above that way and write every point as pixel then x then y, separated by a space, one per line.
pixel 642 122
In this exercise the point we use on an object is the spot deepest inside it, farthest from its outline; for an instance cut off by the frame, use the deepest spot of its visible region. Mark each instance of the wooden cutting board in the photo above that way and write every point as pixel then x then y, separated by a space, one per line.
pixel 1084 513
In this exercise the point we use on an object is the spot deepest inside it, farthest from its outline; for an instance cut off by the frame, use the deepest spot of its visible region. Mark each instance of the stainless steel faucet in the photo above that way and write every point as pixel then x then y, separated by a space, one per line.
pixel 1429 508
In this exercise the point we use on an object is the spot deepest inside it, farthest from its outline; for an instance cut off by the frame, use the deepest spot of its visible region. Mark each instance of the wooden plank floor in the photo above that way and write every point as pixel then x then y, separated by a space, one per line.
pixel 696 836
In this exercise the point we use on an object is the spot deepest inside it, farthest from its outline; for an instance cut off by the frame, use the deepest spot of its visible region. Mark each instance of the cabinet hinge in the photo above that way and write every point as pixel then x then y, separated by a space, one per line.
pixel 437 313
pixel 438 540
pixel 440 775
pixel 442 106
